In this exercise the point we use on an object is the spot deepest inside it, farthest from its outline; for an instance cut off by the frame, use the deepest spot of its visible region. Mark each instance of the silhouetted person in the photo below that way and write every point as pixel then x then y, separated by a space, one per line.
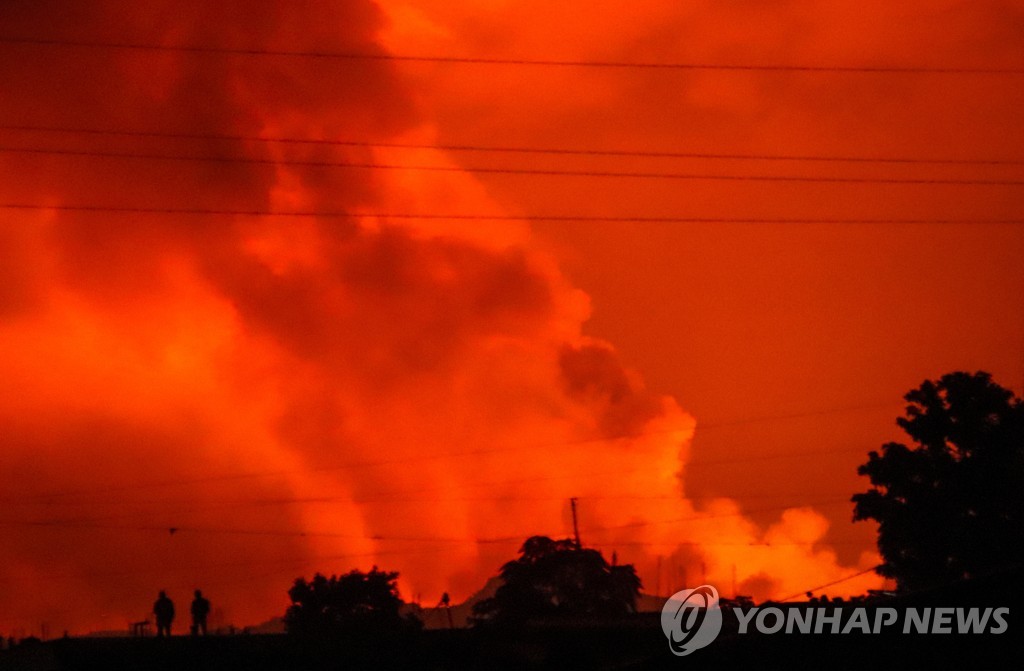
pixel 200 610
pixel 163 609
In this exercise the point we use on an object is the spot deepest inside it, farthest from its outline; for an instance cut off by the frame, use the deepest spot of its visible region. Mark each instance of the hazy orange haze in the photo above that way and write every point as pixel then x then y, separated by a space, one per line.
pixel 301 393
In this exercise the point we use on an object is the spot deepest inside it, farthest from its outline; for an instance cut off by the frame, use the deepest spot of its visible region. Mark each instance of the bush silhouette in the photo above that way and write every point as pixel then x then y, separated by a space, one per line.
pixel 555 578
pixel 355 600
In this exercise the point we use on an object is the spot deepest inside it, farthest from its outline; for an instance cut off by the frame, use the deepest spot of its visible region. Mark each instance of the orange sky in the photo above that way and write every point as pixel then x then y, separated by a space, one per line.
pixel 320 393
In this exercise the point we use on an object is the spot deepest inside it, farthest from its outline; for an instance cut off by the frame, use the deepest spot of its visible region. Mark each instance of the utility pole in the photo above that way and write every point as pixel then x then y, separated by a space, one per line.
pixel 446 601
pixel 575 524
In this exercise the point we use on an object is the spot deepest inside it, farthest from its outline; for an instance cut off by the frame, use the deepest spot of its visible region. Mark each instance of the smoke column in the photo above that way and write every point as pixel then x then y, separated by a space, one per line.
pixel 229 401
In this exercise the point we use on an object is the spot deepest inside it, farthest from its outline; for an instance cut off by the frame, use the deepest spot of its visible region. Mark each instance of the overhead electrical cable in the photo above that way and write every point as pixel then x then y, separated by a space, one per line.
pixel 102 524
pixel 197 49
pixel 555 151
pixel 830 584
pixel 341 214
pixel 534 172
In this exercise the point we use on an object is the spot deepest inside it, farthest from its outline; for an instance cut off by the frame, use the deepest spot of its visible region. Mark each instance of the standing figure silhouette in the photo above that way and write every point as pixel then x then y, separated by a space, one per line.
pixel 163 609
pixel 200 610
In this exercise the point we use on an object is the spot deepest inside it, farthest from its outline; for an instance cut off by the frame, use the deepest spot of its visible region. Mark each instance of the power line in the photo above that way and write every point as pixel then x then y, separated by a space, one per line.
pixel 264 474
pixel 472 60
pixel 725 423
pixel 677 498
pixel 43 498
pixel 701 518
pixel 304 561
pixel 487 451
pixel 164 505
pixel 313 559
pixel 400 498
pixel 535 172
pixel 291 561
pixel 767 457
pixel 557 151
pixel 770 544
pixel 830 584
pixel 640 219
pixel 100 524
pixel 47 498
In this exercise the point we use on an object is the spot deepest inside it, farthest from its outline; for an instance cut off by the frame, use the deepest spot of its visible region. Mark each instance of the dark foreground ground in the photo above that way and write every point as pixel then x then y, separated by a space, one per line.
pixel 623 647
pixel 636 643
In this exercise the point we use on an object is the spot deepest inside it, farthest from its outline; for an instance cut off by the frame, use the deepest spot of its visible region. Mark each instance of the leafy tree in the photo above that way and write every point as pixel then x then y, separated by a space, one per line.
pixel 354 600
pixel 951 505
pixel 554 578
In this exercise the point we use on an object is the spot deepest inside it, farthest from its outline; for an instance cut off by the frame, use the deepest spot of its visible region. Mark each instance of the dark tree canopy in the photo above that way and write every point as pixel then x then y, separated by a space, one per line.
pixel 555 578
pixel 951 504
pixel 356 599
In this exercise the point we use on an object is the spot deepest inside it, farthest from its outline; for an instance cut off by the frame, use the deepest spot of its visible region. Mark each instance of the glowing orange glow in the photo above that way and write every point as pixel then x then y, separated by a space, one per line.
pixel 292 394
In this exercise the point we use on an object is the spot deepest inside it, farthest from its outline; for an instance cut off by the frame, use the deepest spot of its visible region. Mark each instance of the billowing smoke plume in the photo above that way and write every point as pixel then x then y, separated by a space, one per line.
pixel 228 401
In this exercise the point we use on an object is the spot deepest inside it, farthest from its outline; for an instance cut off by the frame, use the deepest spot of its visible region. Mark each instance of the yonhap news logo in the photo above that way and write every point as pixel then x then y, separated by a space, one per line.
pixel 693 619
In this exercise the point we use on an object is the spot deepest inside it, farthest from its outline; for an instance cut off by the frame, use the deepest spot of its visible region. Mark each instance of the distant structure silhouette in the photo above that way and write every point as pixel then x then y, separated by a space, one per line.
pixel 200 611
pixel 163 609
pixel 139 629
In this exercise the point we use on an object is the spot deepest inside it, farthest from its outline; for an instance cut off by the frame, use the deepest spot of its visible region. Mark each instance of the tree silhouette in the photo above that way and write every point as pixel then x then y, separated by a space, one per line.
pixel 356 599
pixel 554 578
pixel 951 505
